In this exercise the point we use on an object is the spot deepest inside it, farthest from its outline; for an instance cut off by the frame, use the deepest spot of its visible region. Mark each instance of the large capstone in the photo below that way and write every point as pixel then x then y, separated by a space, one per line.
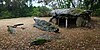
pixel 44 25
pixel 71 11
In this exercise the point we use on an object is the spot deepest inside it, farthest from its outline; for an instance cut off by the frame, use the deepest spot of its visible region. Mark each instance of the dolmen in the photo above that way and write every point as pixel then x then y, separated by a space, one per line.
pixel 44 25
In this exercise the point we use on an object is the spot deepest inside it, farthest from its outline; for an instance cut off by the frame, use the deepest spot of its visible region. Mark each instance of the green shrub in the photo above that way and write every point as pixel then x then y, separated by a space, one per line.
pixel 24 12
pixel 40 11
pixel 5 14
pixel 96 12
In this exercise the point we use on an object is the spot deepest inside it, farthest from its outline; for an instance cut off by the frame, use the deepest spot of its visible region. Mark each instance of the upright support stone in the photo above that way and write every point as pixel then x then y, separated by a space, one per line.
pixel 58 22
pixel 79 21
pixel 66 23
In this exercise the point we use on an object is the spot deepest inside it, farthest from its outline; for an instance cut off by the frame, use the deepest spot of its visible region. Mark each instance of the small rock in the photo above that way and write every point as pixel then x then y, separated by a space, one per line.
pixel 38 42
pixel 11 29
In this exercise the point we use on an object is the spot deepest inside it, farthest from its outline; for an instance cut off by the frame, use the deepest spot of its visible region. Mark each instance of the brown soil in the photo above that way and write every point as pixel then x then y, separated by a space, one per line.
pixel 70 38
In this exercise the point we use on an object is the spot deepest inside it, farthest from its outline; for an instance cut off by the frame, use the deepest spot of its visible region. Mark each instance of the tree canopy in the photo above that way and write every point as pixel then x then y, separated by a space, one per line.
pixel 24 8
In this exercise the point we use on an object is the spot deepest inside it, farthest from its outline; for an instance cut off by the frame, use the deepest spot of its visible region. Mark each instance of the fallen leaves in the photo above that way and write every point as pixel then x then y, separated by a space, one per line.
pixel 70 39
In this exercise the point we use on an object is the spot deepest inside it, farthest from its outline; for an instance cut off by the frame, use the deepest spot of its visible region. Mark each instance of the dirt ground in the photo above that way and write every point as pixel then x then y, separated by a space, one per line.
pixel 70 38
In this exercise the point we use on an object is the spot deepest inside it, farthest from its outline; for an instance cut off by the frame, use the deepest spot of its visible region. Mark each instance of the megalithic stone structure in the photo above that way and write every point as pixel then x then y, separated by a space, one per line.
pixel 72 17
pixel 44 25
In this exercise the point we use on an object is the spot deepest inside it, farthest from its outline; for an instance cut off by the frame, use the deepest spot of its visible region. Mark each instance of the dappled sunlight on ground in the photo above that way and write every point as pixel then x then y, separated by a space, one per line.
pixel 70 38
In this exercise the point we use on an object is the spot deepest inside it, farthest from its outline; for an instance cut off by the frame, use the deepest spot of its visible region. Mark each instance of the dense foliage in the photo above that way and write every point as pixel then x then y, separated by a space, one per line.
pixel 24 8
pixel 93 5
pixel 40 11
pixel 20 8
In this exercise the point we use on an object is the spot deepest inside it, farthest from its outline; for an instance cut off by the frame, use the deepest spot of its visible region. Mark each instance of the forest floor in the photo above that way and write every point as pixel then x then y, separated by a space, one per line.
pixel 70 38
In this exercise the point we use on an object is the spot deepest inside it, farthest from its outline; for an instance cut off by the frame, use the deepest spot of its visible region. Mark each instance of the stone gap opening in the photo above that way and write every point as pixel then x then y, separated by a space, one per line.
pixel 72 22
pixel 62 22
